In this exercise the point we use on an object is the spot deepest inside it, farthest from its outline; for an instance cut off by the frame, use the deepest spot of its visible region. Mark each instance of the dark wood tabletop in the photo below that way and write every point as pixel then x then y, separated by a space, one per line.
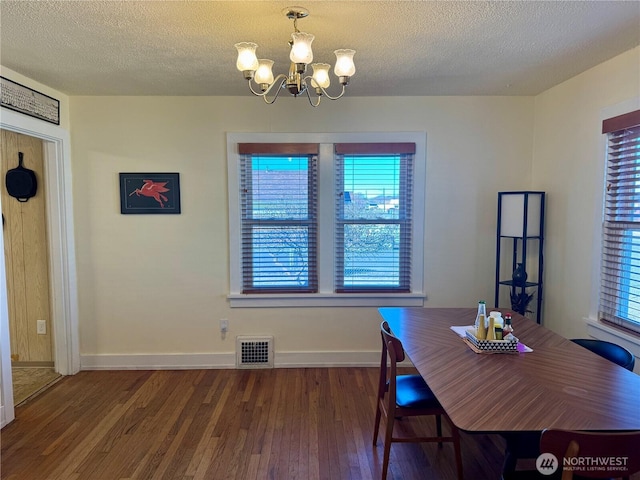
pixel 558 385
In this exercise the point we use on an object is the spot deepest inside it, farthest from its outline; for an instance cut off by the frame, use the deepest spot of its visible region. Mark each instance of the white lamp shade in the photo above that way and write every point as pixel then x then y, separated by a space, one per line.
pixel 247 59
pixel 301 49
pixel 320 75
pixel 264 74
pixel 512 213
pixel 344 63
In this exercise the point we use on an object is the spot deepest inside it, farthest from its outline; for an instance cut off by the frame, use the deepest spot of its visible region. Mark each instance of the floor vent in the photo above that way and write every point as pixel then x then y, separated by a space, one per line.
pixel 254 352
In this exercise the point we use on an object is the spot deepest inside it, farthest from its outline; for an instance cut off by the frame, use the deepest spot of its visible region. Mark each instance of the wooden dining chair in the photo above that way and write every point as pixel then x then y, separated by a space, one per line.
pixel 577 451
pixel 406 396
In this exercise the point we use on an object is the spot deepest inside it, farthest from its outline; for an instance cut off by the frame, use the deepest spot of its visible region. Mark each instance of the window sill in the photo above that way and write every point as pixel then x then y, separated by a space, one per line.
pixel 327 300
pixel 602 331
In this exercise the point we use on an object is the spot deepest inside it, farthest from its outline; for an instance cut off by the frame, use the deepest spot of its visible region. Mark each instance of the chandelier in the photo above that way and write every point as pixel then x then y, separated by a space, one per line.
pixel 259 70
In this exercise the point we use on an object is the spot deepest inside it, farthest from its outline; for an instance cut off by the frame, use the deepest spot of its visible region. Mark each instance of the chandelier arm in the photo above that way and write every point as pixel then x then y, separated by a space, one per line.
pixel 344 89
pixel 280 79
pixel 257 94
pixel 325 93
pixel 310 100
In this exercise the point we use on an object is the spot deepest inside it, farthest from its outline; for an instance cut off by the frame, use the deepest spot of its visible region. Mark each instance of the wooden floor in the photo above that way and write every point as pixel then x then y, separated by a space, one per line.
pixel 222 424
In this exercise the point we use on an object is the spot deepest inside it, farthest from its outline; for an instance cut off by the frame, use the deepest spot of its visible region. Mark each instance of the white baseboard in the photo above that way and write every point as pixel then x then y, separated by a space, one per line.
pixel 170 361
pixel 178 361
pixel 326 359
pixel 3 417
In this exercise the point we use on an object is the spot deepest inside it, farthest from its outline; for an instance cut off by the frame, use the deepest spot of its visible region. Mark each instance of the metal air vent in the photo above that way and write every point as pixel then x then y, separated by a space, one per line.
pixel 254 352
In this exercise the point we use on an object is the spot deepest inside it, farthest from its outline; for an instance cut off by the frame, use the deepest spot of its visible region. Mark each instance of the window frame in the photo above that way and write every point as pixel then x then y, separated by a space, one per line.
pixel 249 223
pixel 354 154
pixel 617 317
pixel 326 295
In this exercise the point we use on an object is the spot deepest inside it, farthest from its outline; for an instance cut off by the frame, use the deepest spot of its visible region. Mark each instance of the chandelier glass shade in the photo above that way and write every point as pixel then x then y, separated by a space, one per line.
pixel 301 55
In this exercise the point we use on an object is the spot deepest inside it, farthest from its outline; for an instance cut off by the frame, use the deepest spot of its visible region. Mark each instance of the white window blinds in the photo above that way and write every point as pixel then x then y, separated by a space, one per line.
pixel 278 197
pixel 620 275
pixel 373 215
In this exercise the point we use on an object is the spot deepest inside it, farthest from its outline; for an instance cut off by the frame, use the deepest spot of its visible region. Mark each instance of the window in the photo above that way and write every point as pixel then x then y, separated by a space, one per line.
pixel 620 275
pixel 278 191
pixel 326 220
pixel 373 217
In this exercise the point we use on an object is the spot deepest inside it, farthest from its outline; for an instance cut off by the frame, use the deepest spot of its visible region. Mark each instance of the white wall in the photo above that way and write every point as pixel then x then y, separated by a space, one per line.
pixel 568 163
pixel 155 284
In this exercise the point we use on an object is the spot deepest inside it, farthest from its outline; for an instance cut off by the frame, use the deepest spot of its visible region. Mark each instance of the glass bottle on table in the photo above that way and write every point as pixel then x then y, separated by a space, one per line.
pixel 498 323
pixel 480 325
pixel 508 327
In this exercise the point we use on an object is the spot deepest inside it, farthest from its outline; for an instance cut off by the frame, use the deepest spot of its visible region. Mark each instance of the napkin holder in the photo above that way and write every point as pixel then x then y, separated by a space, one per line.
pixel 493 346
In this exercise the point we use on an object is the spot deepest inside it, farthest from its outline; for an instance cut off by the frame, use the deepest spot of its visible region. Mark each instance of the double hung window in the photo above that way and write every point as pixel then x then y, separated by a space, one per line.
pixel 373 217
pixel 620 274
pixel 279 202
pixel 326 222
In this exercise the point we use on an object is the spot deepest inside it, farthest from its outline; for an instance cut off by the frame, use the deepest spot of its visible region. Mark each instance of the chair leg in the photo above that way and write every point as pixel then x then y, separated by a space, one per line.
pixel 387 445
pixel 439 428
pixel 377 424
pixel 458 451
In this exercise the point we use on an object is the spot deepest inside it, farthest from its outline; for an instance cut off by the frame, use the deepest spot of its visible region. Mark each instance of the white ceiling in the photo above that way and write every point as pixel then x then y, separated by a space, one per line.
pixel 107 47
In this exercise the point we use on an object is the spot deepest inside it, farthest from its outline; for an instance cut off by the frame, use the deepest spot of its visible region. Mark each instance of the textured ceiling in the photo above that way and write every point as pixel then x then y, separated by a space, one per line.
pixel 109 47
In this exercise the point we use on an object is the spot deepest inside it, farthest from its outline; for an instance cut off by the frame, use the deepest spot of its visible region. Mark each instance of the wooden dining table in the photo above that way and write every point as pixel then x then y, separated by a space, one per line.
pixel 557 385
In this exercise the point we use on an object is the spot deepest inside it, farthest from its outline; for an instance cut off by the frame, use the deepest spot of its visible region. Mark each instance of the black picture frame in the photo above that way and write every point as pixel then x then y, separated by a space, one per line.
pixel 28 101
pixel 150 193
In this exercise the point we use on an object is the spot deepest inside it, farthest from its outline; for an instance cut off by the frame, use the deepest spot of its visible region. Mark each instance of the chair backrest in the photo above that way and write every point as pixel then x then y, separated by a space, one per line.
pixel 393 352
pixel 593 454
pixel 396 353
pixel 611 351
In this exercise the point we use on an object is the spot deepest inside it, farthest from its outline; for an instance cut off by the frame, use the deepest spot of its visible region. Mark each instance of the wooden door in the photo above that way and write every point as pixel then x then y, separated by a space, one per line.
pixel 26 255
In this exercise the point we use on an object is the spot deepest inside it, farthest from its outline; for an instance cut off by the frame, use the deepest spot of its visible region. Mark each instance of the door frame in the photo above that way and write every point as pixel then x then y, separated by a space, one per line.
pixel 61 248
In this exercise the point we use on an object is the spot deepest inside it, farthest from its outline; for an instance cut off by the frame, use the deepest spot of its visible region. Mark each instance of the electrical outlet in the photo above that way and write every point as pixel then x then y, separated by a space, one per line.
pixel 224 325
pixel 41 327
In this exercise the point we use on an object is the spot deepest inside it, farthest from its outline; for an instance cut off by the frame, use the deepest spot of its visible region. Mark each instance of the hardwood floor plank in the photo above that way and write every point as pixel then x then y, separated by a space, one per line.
pixel 206 460
pixel 217 392
pixel 297 460
pixel 314 419
pixel 266 451
pixel 282 424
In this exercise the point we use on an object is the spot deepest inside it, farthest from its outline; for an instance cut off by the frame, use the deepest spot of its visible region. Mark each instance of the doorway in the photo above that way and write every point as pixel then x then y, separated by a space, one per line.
pixel 27 269
pixel 62 269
